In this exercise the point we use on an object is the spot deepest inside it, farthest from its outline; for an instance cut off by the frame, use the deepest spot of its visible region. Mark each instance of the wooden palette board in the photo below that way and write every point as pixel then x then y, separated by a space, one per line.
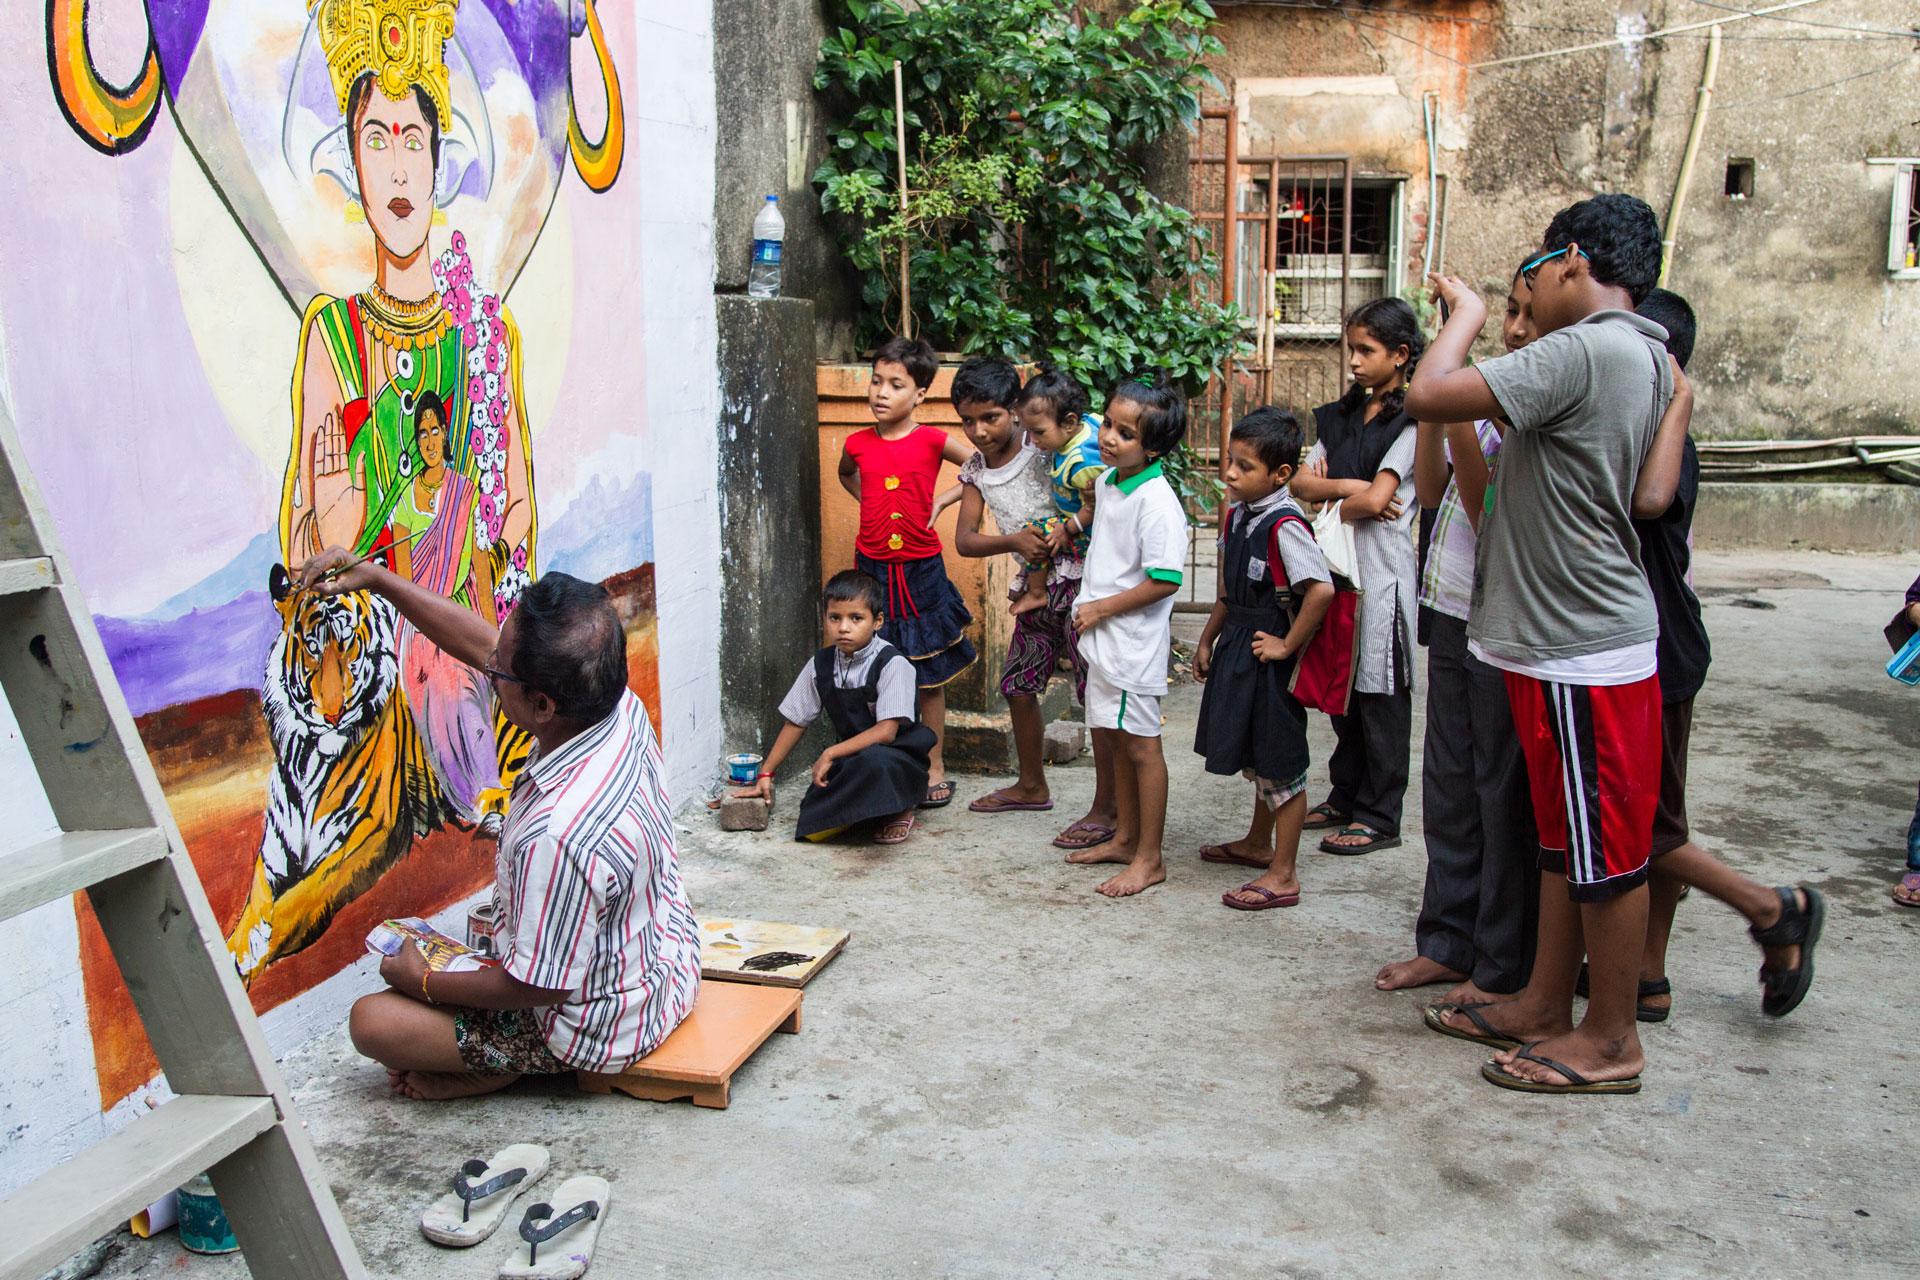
pixel 729 947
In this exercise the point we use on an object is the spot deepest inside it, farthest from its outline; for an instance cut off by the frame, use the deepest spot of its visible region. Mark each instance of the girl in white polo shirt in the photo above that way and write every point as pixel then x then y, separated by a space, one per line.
pixel 1124 614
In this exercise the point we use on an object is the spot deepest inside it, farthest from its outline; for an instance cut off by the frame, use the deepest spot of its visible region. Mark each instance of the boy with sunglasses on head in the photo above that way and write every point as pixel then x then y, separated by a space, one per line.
pixel 1561 605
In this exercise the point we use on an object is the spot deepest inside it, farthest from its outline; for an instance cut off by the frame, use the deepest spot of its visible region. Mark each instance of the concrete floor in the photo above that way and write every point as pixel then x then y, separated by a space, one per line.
pixel 1007 1075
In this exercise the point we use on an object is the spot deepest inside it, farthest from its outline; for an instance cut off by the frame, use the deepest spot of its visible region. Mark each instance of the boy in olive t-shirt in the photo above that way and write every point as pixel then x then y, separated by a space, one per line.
pixel 1561 605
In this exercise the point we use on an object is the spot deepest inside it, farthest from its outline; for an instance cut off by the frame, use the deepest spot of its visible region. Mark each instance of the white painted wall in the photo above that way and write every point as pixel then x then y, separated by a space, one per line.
pixel 674 139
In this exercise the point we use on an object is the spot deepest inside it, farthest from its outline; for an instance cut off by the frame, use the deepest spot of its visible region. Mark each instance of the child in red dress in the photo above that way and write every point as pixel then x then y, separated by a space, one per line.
pixel 892 469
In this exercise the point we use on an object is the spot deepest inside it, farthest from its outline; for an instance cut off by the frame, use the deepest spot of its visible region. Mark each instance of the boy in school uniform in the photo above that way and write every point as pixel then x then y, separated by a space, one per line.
pixel 1561 605
pixel 1124 614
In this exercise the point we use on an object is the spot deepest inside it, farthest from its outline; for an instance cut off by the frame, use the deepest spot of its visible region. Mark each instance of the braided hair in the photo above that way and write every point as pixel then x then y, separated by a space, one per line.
pixel 1393 324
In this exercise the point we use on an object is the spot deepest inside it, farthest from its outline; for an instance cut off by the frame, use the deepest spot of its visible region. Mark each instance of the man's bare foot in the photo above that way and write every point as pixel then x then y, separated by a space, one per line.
pixel 1468 993
pixel 1515 1020
pixel 438 1086
pixel 1114 850
pixel 1417 972
pixel 1141 873
pixel 1593 1057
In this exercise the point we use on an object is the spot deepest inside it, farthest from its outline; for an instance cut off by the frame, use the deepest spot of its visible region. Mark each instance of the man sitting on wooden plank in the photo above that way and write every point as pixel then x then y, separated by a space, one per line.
pixel 599 952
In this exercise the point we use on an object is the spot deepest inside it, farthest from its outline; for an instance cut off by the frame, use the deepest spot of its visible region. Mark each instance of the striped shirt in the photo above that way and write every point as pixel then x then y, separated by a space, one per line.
pixel 587 887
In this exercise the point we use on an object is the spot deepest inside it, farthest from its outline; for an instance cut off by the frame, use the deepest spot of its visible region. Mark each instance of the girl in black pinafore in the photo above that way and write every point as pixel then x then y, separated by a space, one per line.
pixel 877 767
pixel 1275 590
pixel 877 781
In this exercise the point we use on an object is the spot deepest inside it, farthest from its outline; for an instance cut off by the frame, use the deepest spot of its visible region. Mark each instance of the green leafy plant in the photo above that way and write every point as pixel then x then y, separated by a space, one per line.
pixel 1030 228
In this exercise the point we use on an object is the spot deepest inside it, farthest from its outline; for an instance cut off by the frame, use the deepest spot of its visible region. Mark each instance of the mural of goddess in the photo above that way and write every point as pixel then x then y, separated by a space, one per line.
pixel 410 443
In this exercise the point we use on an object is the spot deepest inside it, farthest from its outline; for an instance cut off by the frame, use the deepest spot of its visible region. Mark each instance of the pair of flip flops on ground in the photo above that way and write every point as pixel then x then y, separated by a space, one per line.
pixel 1081 835
pixel 1322 816
pixel 556 1236
pixel 1220 853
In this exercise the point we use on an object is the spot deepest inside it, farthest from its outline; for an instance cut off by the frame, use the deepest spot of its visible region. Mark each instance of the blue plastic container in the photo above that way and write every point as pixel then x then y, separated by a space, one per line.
pixel 203 1223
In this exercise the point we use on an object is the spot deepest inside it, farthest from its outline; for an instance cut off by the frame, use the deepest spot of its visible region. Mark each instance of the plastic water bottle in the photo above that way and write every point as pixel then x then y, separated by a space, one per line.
pixel 769 231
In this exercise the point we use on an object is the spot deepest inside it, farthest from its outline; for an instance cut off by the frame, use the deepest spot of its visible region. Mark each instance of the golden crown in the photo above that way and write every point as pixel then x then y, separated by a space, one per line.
pixel 401 42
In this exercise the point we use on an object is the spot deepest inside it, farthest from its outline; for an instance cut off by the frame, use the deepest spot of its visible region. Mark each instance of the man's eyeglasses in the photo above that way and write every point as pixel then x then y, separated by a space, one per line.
pixel 496 674
pixel 1532 269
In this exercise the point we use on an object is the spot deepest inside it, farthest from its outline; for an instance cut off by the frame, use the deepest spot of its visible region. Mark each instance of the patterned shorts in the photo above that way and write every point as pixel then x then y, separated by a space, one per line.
pixel 499 1041
pixel 1041 637
pixel 1274 793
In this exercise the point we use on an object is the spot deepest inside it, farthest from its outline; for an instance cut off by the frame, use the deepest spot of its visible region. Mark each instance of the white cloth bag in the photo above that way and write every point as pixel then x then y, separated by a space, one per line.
pixel 1335 537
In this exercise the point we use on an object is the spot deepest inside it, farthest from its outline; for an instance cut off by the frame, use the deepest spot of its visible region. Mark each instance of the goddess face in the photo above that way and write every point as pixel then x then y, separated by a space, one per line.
pixel 393 158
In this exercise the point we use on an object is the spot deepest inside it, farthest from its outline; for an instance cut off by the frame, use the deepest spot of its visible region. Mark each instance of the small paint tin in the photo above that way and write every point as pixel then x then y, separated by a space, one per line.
pixel 482 924
pixel 743 768
pixel 203 1223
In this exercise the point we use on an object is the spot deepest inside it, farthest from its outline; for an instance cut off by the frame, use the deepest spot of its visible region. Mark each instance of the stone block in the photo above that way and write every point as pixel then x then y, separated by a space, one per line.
pixel 743 813
pixel 1065 740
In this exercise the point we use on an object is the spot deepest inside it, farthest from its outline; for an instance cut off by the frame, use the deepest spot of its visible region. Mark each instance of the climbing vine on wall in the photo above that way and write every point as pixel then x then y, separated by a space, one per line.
pixel 1031 230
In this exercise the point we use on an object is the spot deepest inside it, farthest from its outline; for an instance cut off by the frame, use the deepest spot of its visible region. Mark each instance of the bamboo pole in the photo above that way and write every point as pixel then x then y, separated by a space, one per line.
pixel 1702 104
pixel 900 137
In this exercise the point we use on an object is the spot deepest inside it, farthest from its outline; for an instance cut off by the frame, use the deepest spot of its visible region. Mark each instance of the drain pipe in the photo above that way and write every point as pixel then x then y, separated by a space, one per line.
pixel 1702 104
pixel 1427 101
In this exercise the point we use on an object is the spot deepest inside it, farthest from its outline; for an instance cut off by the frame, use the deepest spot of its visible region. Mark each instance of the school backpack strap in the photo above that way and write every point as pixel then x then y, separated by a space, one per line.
pixel 1277 565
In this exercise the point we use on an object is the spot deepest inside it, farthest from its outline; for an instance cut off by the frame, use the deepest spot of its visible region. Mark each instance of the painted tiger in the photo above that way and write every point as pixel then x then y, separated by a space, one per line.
pixel 351 784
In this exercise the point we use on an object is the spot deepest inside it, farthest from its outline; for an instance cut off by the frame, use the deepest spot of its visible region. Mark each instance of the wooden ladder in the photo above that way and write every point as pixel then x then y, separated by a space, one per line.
pixel 232 1117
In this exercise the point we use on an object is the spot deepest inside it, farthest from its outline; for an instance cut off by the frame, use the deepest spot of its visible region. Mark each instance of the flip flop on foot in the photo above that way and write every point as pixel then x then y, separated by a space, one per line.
pixel 1782 990
pixel 1268 898
pixel 1575 1082
pixel 1435 1017
pixel 939 795
pixel 1906 892
pixel 1324 815
pixel 895 830
pixel 1369 840
pixel 1001 802
pixel 483 1192
pixel 1225 853
pixel 557 1237
pixel 1089 835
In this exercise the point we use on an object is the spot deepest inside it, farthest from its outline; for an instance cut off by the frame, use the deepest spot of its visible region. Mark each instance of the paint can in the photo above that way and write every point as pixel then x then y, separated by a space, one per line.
pixel 203 1223
pixel 482 924
pixel 743 768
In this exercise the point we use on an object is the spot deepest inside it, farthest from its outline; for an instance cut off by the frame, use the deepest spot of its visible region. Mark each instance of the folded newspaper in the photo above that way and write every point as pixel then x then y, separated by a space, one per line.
pixel 442 953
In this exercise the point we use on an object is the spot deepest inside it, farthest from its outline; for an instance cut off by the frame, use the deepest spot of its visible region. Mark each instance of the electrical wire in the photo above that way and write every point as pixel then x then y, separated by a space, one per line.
pixel 1886 32
pixel 1639 38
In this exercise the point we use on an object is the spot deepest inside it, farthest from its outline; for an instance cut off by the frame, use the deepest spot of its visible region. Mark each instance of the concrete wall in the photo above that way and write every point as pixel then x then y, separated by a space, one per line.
pixel 1803 333
pixel 771 138
pixel 161 294
pixel 769 512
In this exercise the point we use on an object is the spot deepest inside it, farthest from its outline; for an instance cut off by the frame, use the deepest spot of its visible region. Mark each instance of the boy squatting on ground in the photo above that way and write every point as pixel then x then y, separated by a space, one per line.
pixel 599 953
pixel 1561 604
pixel 1124 614
pixel 1010 478
pixel 876 770
pixel 892 469
pixel 1275 590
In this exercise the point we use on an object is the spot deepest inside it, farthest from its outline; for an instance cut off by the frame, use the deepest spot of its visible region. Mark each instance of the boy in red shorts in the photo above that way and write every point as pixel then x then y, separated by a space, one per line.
pixel 1561 605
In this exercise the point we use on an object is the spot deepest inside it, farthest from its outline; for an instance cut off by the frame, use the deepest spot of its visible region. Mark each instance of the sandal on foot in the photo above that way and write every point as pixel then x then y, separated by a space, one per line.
pixel 894 830
pixel 1324 815
pixel 1782 990
pixel 1220 853
pixel 939 795
pixel 483 1192
pixel 1648 987
pixel 1435 1018
pixel 1576 1083
pixel 997 802
pixel 1268 898
pixel 1910 883
pixel 1374 840
pixel 1100 833
pixel 557 1238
